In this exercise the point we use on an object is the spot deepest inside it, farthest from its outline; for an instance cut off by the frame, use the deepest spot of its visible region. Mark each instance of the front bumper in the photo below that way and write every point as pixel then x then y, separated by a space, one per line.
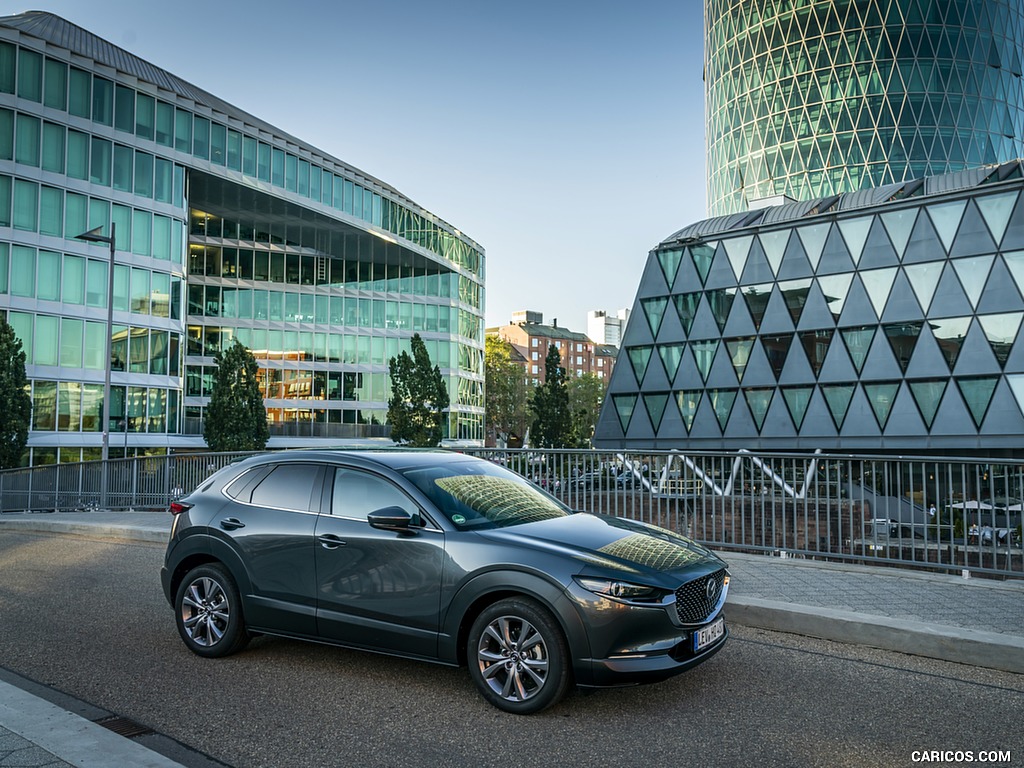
pixel 653 667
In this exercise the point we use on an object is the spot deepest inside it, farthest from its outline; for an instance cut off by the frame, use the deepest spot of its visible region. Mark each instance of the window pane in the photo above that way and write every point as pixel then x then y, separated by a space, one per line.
pixel 26 205
pixel 145 107
pixel 6 134
pixel 44 405
pixel 71 342
pixel 277 168
pixel 161 237
pixel 182 131
pixel 201 140
pixel 69 410
pixel 78 155
pixel 76 214
pixel 164 177
pixel 51 211
pixel 142 224
pixel 143 174
pixel 290 172
pixel 7 67
pixel 4 266
pixel 73 280
pixel 121 288
pixel 5 201
pixel 49 276
pixel 218 142
pixel 95 345
pixel 234 153
pixel 53 147
pixel 79 93
pixel 100 160
pixel 121 216
pixel 164 124
pixel 249 152
pixel 96 283
pixel 99 214
pixel 30 75
pixel 102 101
pixel 124 158
pixel 26 149
pixel 44 342
pixel 124 109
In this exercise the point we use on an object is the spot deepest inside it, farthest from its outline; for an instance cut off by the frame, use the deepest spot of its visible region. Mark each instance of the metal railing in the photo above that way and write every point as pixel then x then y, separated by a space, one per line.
pixel 942 514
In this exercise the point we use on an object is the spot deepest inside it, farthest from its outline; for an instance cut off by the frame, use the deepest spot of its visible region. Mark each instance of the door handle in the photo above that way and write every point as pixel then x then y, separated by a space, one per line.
pixel 330 541
pixel 231 523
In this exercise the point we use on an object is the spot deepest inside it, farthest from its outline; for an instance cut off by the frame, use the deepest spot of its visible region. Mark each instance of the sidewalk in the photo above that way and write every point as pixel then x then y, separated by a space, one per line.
pixel 970 621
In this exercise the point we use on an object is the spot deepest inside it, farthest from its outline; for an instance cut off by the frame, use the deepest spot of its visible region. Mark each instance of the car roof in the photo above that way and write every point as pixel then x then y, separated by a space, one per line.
pixel 393 458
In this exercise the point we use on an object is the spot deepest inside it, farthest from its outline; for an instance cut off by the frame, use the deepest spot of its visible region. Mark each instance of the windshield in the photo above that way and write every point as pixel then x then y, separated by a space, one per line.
pixel 478 494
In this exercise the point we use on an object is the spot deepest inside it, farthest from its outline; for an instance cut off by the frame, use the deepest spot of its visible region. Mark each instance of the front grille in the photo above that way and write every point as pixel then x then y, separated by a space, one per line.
pixel 695 602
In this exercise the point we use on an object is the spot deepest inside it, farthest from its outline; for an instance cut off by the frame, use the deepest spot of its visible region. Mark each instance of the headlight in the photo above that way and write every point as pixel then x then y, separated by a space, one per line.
pixel 620 590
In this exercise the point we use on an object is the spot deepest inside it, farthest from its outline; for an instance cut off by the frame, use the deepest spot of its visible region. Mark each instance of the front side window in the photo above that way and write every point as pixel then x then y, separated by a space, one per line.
pixel 357 494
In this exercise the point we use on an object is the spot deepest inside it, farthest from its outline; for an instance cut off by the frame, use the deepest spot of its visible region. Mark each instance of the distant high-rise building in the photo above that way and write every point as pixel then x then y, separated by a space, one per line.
pixel 819 97
pixel 603 328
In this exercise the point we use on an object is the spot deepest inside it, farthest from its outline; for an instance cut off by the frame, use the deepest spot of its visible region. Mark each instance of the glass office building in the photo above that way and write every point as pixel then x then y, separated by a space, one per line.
pixel 810 98
pixel 226 228
pixel 880 320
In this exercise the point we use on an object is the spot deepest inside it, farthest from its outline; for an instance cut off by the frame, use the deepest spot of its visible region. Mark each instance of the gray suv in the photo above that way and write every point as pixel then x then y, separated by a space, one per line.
pixel 441 557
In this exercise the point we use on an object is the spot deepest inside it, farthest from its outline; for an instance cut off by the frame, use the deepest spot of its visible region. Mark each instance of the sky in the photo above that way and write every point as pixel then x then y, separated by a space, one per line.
pixel 566 138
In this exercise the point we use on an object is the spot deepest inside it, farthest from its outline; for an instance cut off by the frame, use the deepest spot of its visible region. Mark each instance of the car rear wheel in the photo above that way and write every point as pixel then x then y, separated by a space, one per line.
pixel 209 612
pixel 518 656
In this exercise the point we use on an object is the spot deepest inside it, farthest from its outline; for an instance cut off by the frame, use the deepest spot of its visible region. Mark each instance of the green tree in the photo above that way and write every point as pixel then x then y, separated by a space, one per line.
pixel 15 404
pixel 236 419
pixel 506 393
pixel 586 393
pixel 418 398
pixel 552 421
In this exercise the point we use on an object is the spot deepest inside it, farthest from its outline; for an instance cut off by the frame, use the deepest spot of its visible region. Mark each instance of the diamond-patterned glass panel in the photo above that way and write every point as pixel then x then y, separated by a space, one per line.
pixel 928 394
pixel 655 403
pixel 686 308
pixel 739 354
pixel 722 401
pixel 671 355
pixel 688 401
pixel 795 294
pixel 835 289
pixel 816 344
pixel 1001 332
pixel 669 261
pixel 720 303
pixel 977 392
pixel 881 395
pixel 903 338
pixel 758 400
pixel 757 297
pixel 777 349
pixel 950 333
pixel 702 256
pixel 838 397
pixel 640 357
pixel 704 355
pixel 858 343
pixel 624 404
pixel 654 309
pixel 797 399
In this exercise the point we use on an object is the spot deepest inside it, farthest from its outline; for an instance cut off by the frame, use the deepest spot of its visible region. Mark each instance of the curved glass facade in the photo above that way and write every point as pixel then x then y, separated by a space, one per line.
pixel 811 98
pixel 226 228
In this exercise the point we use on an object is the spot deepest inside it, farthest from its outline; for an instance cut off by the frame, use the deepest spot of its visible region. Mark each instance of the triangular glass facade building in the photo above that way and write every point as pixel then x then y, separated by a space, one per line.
pixel 901 332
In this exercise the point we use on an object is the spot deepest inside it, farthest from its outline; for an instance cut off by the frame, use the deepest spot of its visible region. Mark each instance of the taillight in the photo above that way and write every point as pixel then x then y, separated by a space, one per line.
pixel 177 507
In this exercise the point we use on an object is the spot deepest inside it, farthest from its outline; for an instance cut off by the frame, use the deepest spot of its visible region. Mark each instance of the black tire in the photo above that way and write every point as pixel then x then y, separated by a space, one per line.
pixel 208 611
pixel 518 657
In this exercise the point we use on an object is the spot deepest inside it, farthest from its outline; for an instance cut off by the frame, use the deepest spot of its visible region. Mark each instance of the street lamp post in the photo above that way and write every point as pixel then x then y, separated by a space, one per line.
pixel 94 236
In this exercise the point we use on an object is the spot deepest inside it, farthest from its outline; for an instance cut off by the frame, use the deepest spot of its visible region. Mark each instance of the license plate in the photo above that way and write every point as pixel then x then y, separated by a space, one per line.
pixel 702 638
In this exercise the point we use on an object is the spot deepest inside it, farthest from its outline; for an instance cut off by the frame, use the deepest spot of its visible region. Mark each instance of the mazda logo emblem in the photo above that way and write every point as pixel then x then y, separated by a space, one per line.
pixel 710 589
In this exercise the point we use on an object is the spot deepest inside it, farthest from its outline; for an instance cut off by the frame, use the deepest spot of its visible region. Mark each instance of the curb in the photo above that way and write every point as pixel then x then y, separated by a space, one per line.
pixel 936 641
pixel 99 530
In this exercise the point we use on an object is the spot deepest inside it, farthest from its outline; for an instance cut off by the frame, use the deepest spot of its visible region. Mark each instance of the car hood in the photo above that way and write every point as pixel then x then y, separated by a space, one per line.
pixel 603 541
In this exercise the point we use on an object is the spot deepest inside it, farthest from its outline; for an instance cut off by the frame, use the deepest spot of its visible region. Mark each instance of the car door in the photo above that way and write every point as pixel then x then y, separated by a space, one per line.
pixel 375 588
pixel 270 525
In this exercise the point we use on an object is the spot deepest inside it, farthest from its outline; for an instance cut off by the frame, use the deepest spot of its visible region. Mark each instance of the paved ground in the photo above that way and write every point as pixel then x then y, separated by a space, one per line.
pixel 972 621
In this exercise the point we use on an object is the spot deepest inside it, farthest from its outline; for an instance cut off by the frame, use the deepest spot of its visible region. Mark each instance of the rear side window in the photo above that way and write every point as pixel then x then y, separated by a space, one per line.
pixel 288 486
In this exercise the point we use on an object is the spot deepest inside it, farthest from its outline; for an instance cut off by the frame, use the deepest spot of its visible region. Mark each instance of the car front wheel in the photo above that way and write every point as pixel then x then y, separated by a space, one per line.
pixel 208 610
pixel 518 657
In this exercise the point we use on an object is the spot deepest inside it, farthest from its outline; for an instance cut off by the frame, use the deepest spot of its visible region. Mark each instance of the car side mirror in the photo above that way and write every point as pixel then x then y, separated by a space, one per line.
pixel 392 519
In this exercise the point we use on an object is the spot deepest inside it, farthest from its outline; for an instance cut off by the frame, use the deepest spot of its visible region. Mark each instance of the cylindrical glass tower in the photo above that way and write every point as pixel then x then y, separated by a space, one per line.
pixel 809 98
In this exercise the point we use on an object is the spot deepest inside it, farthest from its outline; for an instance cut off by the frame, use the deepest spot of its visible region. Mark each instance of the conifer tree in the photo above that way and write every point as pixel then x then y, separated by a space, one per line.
pixel 236 419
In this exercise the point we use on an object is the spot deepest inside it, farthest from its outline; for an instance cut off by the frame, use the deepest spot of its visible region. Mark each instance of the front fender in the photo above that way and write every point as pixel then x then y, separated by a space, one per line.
pixel 482 589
